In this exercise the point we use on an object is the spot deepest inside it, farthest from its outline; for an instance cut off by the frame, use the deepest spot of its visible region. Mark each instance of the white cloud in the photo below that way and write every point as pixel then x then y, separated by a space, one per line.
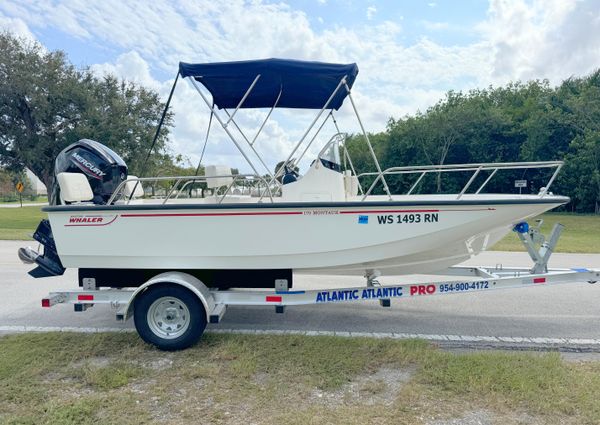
pixel 436 26
pixel 371 11
pixel 16 26
pixel 129 66
pixel 543 39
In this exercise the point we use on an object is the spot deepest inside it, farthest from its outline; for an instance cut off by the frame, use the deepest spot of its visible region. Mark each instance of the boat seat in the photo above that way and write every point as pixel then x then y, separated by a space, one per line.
pixel 74 187
pixel 133 188
pixel 217 176
pixel 289 178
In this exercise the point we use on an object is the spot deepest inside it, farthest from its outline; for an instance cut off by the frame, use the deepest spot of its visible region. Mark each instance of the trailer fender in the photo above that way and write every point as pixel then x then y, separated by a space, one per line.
pixel 187 281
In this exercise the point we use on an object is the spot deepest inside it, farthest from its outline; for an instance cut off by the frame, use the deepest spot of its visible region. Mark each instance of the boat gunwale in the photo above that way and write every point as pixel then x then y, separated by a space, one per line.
pixel 308 205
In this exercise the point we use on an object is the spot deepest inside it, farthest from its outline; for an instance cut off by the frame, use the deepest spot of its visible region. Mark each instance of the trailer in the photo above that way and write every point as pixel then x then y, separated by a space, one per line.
pixel 172 309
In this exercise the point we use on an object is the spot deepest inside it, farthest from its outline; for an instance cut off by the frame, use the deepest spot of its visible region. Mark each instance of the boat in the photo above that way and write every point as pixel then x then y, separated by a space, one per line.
pixel 249 230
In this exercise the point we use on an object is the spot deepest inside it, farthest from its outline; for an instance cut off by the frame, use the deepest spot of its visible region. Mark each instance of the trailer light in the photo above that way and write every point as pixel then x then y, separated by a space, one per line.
pixel 539 280
pixel 85 297
pixel 45 302
pixel 273 299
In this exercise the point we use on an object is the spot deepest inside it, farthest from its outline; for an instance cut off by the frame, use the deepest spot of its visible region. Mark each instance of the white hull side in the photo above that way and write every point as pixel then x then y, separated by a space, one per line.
pixel 434 260
pixel 311 239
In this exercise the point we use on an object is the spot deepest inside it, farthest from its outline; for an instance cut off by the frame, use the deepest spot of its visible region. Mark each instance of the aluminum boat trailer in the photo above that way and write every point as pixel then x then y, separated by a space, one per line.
pixel 172 309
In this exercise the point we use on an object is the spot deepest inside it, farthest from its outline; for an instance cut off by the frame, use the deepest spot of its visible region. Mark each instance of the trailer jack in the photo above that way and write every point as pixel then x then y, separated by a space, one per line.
pixel 538 248
pixel 372 282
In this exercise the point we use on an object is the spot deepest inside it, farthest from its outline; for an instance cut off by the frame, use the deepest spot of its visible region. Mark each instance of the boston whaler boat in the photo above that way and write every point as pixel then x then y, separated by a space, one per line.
pixel 253 230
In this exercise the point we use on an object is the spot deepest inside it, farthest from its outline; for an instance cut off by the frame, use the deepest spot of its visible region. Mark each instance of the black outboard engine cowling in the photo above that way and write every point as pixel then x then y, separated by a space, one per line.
pixel 104 168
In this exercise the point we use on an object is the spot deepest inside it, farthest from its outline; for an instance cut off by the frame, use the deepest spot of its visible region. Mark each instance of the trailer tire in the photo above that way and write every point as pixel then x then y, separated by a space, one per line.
pixel 169 317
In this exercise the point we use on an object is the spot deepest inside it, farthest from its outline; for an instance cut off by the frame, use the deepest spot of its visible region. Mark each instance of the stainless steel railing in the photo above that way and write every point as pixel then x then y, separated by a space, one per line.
pixel 174 191
pixel 265 190
pixel 423 170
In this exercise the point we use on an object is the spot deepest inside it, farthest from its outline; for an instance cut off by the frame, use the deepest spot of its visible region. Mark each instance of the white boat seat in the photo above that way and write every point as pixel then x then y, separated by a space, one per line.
pixel 133 187
pixel 212 171
pixel 74 187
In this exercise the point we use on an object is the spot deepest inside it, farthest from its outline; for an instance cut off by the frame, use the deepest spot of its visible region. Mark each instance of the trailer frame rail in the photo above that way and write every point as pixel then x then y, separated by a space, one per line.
pixel 486 279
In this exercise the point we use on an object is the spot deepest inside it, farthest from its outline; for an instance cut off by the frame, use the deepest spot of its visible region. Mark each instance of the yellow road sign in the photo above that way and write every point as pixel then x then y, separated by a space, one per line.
pixel 20 187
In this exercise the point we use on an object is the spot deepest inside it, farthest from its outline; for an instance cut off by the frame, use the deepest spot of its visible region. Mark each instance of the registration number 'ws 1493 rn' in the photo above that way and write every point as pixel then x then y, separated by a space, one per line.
pixel 408 218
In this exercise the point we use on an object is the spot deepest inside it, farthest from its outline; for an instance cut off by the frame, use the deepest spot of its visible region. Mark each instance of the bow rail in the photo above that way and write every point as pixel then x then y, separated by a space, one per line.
pixel 475 168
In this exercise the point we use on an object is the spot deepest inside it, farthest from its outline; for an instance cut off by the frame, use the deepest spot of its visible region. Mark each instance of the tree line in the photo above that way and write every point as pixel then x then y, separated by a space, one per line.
pixel 530 121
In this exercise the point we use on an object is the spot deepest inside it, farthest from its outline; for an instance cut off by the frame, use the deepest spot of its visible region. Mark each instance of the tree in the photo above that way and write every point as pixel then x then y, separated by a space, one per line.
pixel 429 138
pixel 8 182
pixel 580 103
pixel 529 121
pixel 47 104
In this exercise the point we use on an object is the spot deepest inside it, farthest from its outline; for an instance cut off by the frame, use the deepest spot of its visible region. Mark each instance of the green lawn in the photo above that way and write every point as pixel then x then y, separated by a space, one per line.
pixel 58 378
pixel 28 200
pixel 581 234
pixel 19 223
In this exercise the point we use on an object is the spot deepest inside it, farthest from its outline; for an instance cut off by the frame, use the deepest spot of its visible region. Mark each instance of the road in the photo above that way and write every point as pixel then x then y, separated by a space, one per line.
pixel 541 315
pixel 25 204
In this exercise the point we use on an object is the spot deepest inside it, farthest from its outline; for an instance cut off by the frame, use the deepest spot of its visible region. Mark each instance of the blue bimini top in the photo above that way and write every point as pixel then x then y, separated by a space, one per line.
pixel 305 85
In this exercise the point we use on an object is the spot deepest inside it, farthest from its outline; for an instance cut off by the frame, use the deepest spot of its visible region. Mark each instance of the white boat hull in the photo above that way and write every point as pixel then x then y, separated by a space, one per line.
pixel 345 238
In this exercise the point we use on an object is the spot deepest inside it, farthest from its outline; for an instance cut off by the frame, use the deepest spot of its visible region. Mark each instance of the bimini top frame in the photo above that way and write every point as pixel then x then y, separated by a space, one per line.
pixel 273 83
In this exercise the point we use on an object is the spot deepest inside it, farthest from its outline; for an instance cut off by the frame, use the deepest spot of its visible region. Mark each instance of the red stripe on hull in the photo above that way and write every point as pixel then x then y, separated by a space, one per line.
pixel 388 211
pixel 211 214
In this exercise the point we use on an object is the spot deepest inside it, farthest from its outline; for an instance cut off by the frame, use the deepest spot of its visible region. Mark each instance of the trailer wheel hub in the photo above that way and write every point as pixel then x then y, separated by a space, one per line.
pixel 168 317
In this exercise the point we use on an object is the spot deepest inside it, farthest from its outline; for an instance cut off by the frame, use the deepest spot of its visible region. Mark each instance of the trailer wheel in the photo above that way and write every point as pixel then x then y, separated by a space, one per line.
pixel 169 316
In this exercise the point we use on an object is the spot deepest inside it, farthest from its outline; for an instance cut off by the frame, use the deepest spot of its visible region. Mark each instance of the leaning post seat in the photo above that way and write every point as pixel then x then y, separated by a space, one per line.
pixel 133 188
pixel 217 176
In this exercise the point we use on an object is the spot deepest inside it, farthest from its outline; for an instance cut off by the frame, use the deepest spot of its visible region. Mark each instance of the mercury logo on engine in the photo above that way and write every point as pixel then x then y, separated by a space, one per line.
pixel 88 166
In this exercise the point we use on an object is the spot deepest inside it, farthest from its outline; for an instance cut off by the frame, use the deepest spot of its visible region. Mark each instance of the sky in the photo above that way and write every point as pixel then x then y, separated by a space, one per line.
pixel 409 53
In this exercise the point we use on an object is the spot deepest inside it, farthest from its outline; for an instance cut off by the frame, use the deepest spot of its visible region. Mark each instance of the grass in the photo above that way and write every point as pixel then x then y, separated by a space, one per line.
pixel 58 378
pixel 581 233
pixel 19 223
pixel 26 200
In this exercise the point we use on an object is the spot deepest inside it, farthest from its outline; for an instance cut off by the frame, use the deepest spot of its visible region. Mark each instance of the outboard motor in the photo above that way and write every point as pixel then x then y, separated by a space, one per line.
pixel 104 169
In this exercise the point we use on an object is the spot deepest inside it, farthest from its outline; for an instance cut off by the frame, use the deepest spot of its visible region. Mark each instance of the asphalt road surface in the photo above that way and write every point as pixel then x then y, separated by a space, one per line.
pixel 562 314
